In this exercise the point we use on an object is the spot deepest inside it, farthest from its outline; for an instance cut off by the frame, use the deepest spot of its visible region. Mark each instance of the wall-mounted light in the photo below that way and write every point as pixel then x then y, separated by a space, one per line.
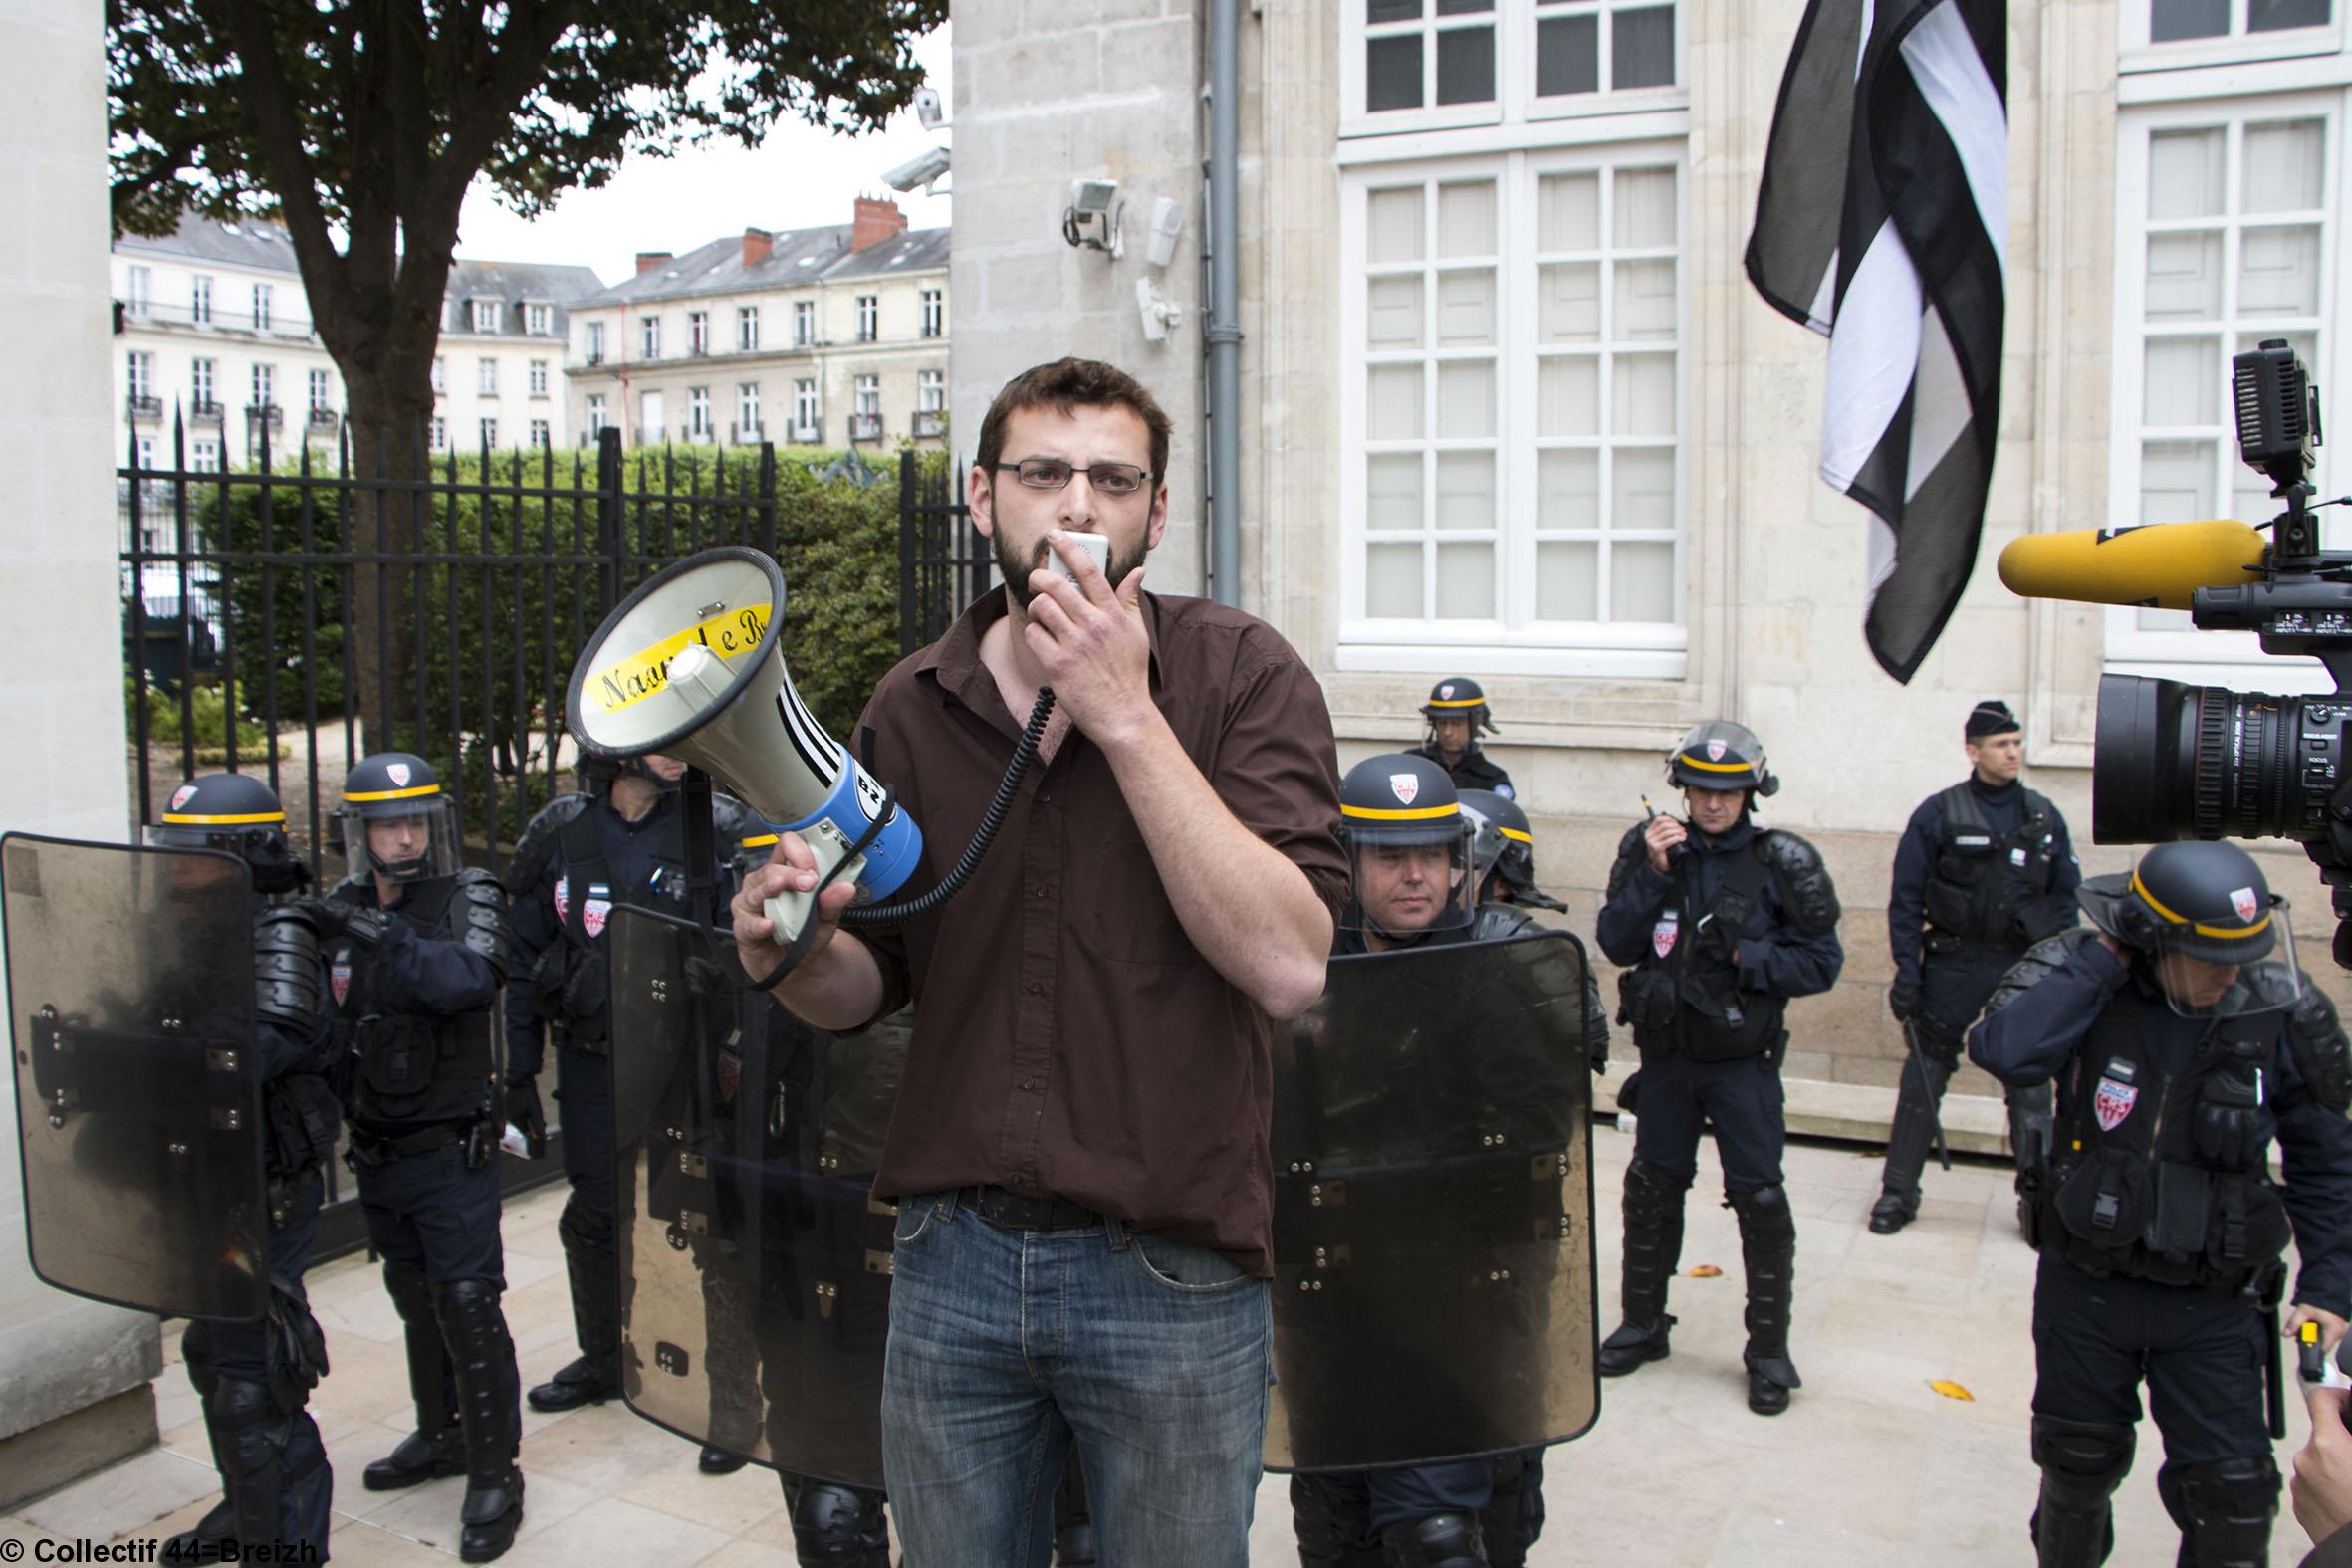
pixel 1091 220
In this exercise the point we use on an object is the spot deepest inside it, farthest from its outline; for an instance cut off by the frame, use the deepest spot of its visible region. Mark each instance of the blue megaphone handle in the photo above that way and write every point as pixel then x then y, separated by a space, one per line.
pixel 890 859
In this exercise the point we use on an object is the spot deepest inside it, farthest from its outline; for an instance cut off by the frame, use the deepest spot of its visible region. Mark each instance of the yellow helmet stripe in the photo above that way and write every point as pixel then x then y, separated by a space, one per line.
pixel 1714 768
pixel 409 793
pixel 181 819
pixel 1454 702
pixel 2226 933
pixel 1515 833
pixel 1419 814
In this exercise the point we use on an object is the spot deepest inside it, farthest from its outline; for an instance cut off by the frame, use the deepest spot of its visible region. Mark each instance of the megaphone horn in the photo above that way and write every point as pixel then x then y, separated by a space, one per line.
pixel 689 666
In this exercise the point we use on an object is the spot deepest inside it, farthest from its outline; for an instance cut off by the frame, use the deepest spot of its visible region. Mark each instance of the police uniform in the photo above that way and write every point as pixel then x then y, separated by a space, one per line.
pixel 1459 697
pixel 255 1378
pixel 1709 1029
pixel 577 859
pixel 416 992
pixel 2160 1228
pixel 1458 1512
pixel 1983 872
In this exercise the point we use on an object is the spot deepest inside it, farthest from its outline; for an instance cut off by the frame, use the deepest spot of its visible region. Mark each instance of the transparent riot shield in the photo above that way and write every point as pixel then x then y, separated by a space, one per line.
pixel 1432 1292
pixel 755 1264
pixel 131 1001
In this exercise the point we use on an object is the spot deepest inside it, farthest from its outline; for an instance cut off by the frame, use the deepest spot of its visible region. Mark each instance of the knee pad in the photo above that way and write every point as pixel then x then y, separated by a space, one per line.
pixel 585 1229
pixel 195 1347
pixel 2225 1510
pixel 836 1525
pixel 1443 1540
pixel 1651 1196
pixel 1333 1519
pixel 1764 1215
pixel 2082 1461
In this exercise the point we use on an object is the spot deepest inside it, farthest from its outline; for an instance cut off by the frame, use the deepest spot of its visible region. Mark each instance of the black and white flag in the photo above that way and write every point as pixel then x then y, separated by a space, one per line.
pixel 1882 222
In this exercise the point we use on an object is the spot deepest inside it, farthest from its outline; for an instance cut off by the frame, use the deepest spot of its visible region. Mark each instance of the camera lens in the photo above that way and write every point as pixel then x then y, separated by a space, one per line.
pixel 2175 760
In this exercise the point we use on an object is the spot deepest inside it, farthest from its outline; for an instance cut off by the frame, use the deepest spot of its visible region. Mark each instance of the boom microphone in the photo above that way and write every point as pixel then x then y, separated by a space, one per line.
pixel 2158 565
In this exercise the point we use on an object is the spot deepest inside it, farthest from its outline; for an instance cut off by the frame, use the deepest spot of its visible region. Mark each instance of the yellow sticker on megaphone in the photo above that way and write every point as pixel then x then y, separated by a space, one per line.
pixel 730 634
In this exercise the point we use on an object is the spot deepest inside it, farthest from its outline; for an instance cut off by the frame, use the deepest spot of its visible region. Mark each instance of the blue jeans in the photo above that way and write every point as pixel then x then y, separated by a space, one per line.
pixel 1008 1345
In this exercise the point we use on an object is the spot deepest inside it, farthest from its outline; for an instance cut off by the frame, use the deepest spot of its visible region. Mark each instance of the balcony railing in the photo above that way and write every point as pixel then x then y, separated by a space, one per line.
pixel 323 419
pixel 805 432
pixel 929 423
pixel 865 427
pixel 203 412
pixel 747 435
pixel 270 414
pixel 144 407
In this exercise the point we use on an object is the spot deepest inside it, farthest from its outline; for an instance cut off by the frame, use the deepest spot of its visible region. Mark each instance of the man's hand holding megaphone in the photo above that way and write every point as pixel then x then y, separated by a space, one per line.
pixel 828 985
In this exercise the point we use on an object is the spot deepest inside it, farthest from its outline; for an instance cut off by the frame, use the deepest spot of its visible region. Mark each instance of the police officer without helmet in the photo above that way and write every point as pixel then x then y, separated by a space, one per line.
pixel 1412 854
pixel 417 947
pixel 255 1378
pixel 1984 870
pixel 623 844
pixel 1458 713
pixel 1719 923
pixel 2182 1041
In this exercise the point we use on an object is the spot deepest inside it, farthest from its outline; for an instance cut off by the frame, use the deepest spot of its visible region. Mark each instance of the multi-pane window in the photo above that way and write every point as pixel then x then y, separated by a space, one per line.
pixel 2174 21
pixel 539 433
pixel 805 406
pixel 539 378
pixel 204 456
pixel 698 413
pixel 868 391
pixel 1516 347
pixel 439 435
pixel 261 306
pixel 1437 64
pixel 1594 46
pixel 139 292
pixel 593 343
pixel 202 378
pixel 698 334
pixel 747 328
pixel 489 431
pixel 485 316
pixel 934 312
pixel 441 376
pixel 649 336
pixel 2227 239
pixel 803 322
pixel 140 375
pixel 1418 52
pixel 747 408
pixel 596 414
pixel 537 320
pixel 201 299
pixel 486 376
pixel 264 385
pixel 322 391
pixel 868 313
pixel 930 391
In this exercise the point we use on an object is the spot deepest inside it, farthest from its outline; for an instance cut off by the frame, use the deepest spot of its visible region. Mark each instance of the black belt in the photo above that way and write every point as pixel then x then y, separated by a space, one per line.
pixel 372 1149
pixel 1011 1211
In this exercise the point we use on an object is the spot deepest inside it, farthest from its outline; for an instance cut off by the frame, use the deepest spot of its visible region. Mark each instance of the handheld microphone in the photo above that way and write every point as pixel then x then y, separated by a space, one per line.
pixel 2159 565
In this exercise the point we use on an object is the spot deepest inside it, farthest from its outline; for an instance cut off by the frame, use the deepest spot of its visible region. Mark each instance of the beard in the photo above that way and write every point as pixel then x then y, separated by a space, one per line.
pixel 1043 558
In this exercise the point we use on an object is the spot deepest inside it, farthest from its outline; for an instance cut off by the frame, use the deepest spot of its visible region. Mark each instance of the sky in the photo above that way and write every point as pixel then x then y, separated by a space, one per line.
pixel 800 178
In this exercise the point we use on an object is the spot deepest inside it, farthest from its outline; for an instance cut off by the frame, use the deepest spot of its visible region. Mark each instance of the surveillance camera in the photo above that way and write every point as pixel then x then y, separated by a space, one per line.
pixel 924 170
pixel 928 108
pixel 1091 219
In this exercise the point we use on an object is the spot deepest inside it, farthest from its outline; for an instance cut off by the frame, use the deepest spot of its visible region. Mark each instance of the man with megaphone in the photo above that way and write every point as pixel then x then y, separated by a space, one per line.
pixel 1079 1151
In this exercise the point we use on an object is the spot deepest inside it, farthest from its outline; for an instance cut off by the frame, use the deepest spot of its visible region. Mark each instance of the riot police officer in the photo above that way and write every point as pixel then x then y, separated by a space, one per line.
pixel 1719 923
pixel 255 1378
pixel 2181 1040
pixel 1458 713
pixel 1414 880
pixel 1984 870
pixel 417 947
pixel 581 854
pixel 1503 868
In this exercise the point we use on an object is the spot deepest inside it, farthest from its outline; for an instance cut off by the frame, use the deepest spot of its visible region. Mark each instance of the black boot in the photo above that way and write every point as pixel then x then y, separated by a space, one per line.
pixel 213 1540
pixel 1768 1247
pixel 1652 1246
pixel 438 1447
pixel 596 1313
pixel 2223 1508
pixel 838 1527
pixel 1909 1139
pixel 487 1386
pixel 718 1461
pixel 1333 1519
pixel 1443 1540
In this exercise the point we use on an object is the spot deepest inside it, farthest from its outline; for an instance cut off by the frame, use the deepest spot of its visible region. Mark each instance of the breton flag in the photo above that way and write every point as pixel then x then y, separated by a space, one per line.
pixel 1882 222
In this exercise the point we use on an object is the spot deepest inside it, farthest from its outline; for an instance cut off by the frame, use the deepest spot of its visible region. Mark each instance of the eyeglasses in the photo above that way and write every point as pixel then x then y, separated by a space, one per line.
pixel 1051 473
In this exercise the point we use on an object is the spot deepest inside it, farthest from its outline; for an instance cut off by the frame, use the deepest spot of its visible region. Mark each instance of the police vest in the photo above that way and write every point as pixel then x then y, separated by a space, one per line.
pixel 1685 992
pixel 573 976
pixel 1983 878
pixel 408 1065
pixel 2141 1182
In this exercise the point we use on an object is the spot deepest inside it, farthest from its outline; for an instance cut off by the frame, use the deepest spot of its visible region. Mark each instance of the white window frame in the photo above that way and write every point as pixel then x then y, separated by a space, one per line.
pixel 1355 31
pixel 537 320
pixel 698 413
pixel 1514 642
pixel 538 380
pixel 441 376
pixel 261 302
pixel 265 385
pixel 869 318
pixel 201 299
pixel 934 312
pixel 930 391
pixel 804 324
pixel 489 432
pixel 139 373
pixel 1516 116
pixel 808 406
pixel 437 436
pixel 2136 53
pixel 747 329
pixel 138 289
pixel 2223 658
pixel 596 414
pixel 540 434
pixel 485 316
pixel 591 342
pixel 204 383
pixel 698 334
pixel 322 391
pixel 203 455
pixel 649 335
pixel 486 376
pixel 747 408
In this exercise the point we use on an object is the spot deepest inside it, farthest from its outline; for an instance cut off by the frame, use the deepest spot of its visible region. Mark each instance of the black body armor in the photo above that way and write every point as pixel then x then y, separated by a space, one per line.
pixel 410 1066
pixel 1985 882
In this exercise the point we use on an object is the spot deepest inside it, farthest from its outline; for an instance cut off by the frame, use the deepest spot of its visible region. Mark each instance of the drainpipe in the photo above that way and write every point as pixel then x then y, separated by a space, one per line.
pixel 1225 324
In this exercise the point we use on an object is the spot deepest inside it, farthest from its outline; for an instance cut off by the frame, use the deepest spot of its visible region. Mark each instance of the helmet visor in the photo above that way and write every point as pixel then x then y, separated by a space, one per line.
pixel 401 842
pixel 1408 890
pixel 2207 976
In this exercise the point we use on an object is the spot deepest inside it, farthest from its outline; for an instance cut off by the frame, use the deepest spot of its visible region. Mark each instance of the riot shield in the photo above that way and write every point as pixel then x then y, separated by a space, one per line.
pixel 755 1264
pixel 130 996
pixel 1433 1293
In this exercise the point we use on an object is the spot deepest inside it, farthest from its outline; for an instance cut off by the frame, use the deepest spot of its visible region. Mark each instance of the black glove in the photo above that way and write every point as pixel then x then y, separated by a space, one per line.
pixel 521 1108
pixel 1903 1000
pixel 2232 1126
pixel 365 926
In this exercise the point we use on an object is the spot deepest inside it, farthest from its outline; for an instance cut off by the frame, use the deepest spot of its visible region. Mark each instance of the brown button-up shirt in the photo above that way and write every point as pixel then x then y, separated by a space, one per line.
pixel 1069 1039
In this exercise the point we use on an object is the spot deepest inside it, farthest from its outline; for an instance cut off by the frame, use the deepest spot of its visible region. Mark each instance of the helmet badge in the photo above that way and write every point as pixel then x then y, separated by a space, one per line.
pixel 2243 900
pixel 1445 693
pixel 1715 750
pixel 1405 785
pixel 179 797
pixel 398 772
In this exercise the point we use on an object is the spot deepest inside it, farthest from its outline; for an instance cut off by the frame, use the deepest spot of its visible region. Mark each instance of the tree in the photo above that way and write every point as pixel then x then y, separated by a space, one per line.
pixel 362 123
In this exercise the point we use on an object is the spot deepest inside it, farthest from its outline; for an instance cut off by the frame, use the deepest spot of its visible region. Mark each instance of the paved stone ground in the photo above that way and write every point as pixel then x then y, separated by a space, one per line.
pixel 1871 1468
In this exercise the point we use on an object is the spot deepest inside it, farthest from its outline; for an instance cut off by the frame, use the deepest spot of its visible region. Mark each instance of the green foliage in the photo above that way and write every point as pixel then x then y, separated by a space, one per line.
pixel 210 711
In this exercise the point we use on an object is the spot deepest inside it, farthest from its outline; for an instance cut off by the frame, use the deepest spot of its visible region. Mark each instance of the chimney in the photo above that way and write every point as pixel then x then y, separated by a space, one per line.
pixel 649 260
pixel 757 243
pixel 878 219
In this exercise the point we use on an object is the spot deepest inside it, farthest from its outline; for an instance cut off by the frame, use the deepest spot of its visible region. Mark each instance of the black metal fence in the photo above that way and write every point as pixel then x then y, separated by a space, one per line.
pixel 943 562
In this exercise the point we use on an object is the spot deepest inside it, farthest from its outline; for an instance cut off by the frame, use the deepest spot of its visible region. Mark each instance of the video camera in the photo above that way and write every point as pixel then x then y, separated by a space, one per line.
pixel 2175 760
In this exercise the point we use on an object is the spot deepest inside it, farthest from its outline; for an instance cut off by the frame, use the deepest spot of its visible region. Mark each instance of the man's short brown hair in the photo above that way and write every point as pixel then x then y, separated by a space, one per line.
pixel 1067 385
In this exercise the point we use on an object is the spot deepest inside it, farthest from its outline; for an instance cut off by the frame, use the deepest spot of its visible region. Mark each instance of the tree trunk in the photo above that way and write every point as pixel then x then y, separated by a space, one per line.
pixel 390 400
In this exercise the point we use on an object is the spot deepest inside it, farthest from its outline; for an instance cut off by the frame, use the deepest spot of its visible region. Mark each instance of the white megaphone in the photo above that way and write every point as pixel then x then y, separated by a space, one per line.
pixel 688 666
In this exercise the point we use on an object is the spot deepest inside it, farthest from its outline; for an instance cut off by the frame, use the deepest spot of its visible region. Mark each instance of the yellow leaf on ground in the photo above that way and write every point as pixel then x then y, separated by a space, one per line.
pixel 1950 1390
pixel 1706 1272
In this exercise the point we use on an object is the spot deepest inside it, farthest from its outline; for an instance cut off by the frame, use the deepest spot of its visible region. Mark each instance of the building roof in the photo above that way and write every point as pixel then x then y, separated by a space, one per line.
pixel 514 284
pixel 248 241
pixel 799 256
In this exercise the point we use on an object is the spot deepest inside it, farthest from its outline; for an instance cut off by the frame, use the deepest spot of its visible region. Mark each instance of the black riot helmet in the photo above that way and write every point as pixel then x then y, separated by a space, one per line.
pixel 1720 754
pixel 236 814
pixel 1459 697
pixel 2201 900
pixel 1394 811
pixel 1504 847
pixel 398 786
